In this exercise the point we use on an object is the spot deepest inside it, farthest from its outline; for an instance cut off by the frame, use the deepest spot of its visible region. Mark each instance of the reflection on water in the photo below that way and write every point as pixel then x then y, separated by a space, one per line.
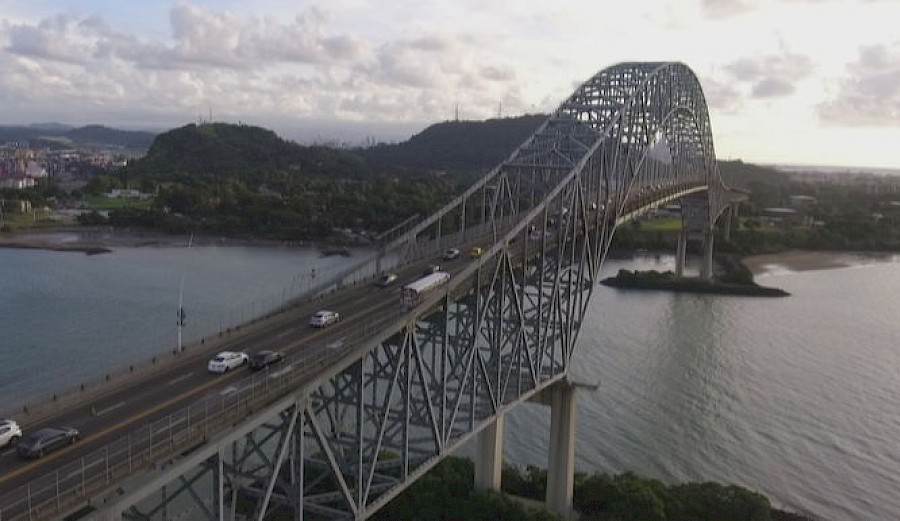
pixel 794 397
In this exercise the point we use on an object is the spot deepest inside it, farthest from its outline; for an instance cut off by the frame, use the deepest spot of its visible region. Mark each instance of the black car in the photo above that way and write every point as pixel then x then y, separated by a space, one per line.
pixel 45 440
pixel 431 268
pixel 264 358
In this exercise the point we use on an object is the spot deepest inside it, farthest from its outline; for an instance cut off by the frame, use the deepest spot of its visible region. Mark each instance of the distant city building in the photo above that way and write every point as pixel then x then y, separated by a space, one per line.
pixel 784 216
pixel 127 193
pixel 17 183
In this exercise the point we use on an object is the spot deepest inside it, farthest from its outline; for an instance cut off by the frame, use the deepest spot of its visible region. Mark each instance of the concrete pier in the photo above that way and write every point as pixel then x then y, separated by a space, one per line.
pixel 706 266
pixel 680 253
pixel 489 456
pixel 561 461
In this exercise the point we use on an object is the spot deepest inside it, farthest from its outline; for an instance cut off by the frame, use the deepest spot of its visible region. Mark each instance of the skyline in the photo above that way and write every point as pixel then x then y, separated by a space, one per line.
pixel 786 81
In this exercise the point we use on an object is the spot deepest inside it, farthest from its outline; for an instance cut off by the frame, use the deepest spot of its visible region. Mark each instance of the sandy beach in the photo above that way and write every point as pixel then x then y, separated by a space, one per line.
pixel 798 260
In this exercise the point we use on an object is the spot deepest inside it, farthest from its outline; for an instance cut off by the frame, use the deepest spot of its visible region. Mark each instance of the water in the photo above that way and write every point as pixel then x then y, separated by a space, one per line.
pixel 68 318
pixel 796 397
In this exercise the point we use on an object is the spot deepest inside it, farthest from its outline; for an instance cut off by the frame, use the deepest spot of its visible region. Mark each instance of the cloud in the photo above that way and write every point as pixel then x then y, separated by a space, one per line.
pixel 773 75
pixel 869 95
pixel 725 8
pixel 250 67
pixel 721 96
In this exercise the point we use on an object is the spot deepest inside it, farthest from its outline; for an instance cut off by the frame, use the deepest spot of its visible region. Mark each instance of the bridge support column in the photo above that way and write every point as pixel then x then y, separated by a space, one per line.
pixel 706 268
pixel 561 465
pixel 680 252
pixel 730 214
pixel 489 456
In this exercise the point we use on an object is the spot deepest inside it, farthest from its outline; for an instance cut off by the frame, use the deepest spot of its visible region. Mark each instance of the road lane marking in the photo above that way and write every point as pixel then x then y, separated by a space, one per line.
pixel 170 402
pixel 180 378
pixel 113 428
pixel 110 408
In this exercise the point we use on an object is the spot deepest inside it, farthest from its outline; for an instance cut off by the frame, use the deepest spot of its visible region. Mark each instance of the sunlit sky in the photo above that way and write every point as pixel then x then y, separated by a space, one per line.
pixel 788 81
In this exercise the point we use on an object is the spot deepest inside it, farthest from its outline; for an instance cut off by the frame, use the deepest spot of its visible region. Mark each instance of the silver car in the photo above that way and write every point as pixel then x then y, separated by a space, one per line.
pixel 227 360
pixel 324 318
pixel 10 432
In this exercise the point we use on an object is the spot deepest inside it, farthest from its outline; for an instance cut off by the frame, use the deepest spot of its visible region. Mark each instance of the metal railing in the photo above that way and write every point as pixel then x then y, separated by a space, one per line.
pixel 72 484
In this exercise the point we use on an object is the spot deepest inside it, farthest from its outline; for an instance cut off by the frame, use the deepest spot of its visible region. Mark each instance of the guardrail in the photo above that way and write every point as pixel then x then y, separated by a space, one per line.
pixel 71 485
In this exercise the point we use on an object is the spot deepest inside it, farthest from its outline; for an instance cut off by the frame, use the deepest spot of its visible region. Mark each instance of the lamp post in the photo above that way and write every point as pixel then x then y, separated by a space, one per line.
pixel 180 313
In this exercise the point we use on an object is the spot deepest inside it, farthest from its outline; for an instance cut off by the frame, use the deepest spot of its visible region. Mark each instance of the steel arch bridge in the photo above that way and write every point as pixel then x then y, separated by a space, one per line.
pixel 415 384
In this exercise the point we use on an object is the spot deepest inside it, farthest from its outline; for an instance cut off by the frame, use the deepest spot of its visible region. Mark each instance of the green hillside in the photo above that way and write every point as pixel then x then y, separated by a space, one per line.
pixel 252 154
pixel 457 145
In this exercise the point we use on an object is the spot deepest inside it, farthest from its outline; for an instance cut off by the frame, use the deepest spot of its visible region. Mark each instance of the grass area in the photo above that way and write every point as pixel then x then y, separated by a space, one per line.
pixel 16 222
pixel 99 202
pixel 661 225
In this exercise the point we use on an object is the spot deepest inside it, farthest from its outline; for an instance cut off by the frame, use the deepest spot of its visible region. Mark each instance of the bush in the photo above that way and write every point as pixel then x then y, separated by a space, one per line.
pixel 624 497
pixel 714 502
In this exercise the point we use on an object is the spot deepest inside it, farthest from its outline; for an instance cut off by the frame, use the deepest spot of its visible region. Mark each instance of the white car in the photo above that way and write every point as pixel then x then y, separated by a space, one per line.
pixel 227 360
pixel 9 432
pixel 324 318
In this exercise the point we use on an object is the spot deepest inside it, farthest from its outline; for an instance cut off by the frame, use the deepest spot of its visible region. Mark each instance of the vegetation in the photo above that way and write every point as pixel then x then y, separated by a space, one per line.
pixel 462 146
pixel 446 493
pixel 240 180
pixel 735 284
pixel 99 202
pixel 224 179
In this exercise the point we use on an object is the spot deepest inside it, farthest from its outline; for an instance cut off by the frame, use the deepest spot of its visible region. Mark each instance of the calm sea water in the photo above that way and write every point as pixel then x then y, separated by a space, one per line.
pixel 68 318
pixel 797 398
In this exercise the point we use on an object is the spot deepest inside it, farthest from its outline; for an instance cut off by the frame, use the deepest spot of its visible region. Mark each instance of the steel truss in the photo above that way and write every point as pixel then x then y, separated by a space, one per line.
pixel 632 137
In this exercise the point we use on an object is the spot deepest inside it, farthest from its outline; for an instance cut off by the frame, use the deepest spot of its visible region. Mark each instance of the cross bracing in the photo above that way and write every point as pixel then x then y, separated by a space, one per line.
pixel 349 426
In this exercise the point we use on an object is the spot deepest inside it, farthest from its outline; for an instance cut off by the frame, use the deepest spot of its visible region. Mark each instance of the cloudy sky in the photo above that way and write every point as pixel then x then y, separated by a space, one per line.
pixel 787 81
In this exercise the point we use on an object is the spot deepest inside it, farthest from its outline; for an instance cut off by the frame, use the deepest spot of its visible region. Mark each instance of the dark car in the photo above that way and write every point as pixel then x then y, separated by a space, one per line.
pixel 264 358
pixel 45 440
pixel 431 268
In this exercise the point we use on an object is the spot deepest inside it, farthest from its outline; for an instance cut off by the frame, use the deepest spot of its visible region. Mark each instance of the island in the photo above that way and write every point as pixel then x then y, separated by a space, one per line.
pixel 736 280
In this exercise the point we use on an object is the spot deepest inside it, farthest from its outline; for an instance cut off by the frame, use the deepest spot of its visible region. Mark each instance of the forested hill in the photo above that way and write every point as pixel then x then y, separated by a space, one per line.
pixel 89 136
pixel 220 150
pixel 457 145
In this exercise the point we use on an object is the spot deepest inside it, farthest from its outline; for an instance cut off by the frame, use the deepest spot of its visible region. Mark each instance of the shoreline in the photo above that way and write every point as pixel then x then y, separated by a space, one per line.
pixel 812 260
pixel 99 240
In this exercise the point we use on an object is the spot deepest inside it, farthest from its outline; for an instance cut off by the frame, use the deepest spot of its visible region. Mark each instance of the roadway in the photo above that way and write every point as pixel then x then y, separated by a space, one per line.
pixel 148 397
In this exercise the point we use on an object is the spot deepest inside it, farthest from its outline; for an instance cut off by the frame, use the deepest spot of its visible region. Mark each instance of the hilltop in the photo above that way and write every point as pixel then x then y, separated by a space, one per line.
pixel 218 150
pixel 457 145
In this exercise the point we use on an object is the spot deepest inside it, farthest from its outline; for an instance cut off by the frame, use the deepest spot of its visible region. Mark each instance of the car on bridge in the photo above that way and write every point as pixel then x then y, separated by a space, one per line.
pixel 386 280
pixel 264 358
pixel 226 361
pixel 451 253
pixel 324 318
pixel 42 441
pixel 476 252
pixel 431 268
pixel 10 432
